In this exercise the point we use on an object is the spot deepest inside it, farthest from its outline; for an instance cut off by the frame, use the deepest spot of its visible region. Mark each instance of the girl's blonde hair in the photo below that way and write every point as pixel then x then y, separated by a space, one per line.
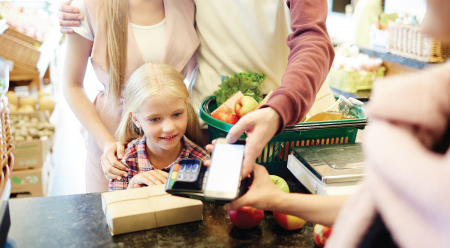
pixel 115 25
pixel 152 80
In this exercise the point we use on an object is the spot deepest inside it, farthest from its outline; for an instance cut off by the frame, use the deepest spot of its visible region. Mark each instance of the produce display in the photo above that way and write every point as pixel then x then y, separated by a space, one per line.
pixel 321 234
pixel 383 22
pixel 348 58
pixel 247 83
pixel 34 23
pixel 25 128
pixel 28 104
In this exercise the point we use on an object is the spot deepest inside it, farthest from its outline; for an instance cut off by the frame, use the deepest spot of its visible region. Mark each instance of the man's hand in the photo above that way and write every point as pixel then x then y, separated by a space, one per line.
pixel 69 16
pixel 263 193
pixel 260 127
pixel 113 168
pixel 148 178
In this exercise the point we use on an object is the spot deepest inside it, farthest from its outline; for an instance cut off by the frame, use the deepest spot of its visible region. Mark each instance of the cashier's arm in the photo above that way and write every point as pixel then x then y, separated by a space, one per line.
pixel 263 194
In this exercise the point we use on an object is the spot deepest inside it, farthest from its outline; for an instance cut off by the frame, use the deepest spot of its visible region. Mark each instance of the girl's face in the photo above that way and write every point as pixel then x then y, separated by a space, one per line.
pixel 163 120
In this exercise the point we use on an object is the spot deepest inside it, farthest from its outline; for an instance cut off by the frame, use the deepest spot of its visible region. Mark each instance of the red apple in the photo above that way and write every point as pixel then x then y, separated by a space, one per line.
pixel 225 114
pixel 245 105
pixel 288 222
pixel 321 234
pixel 246 217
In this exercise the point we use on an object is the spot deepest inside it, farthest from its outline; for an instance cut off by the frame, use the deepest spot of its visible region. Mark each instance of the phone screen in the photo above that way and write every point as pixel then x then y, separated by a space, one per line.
pixel 225 171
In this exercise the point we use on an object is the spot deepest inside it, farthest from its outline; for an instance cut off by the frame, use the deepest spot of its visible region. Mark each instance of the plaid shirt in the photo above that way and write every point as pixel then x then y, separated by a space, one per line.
pixel 137 161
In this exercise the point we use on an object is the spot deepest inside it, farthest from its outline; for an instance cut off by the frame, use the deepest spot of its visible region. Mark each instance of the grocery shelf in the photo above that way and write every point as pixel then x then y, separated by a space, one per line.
pixel 386 56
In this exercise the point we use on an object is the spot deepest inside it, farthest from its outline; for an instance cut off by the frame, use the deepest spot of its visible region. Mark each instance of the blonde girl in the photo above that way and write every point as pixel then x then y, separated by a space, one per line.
pixel 159 125
pixel 119 36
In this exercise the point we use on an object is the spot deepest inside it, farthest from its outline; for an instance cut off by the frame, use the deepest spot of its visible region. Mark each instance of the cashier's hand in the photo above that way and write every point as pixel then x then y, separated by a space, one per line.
pixel 148 178
pixel 69 16
pixel 113 168
pixel 262 194
pixel 260 127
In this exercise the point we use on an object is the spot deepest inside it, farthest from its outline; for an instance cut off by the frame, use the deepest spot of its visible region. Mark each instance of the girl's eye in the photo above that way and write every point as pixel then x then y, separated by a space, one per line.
pixel 154 119
pixel 177 114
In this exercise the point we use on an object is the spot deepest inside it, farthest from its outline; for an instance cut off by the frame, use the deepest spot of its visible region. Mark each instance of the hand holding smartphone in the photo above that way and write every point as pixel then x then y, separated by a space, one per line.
pixel 224 175
pixel 220 182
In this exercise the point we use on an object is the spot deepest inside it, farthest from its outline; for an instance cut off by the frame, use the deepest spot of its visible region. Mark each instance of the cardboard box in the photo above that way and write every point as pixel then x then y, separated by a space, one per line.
pixel 146 208
pixel 34 181
pixel 231 101
pixel 31 154
pixel 324 99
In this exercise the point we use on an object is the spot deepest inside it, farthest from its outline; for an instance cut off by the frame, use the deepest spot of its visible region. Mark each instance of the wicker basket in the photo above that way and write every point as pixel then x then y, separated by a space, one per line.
pixel 16 34
pixel 409 41
pixel 6 148
pixel 17 50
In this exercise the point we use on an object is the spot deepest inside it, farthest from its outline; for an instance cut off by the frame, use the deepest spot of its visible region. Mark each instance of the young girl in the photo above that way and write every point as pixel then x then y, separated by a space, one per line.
pixel 119 36
pixel 158 125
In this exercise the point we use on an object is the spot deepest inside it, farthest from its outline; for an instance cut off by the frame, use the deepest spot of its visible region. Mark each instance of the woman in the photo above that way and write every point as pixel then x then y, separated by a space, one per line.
pixel 120 36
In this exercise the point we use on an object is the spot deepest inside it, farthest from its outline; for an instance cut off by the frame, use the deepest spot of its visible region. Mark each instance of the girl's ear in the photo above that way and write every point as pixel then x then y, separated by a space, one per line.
pixel 135 121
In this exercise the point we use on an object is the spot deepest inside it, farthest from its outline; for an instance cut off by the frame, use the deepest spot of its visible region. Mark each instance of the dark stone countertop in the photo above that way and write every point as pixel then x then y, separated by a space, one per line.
pixel 78 221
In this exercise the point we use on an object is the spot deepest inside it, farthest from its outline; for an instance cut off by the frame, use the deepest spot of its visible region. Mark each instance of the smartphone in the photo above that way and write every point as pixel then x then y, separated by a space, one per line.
pixel 224 175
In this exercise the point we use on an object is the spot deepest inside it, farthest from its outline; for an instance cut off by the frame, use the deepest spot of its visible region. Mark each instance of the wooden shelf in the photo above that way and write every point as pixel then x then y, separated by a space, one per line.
pixel 3 25
pixel 22 72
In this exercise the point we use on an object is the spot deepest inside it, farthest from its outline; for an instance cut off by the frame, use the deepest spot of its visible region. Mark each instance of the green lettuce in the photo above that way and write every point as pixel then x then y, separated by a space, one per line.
pixel 248 83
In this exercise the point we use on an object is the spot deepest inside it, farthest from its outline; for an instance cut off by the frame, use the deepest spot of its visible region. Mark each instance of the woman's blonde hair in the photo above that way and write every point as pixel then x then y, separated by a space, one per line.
pixel 115 25
pixel 152 80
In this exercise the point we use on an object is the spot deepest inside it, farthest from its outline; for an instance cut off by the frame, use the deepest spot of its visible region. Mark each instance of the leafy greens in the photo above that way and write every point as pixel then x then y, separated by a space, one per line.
pixel 248 83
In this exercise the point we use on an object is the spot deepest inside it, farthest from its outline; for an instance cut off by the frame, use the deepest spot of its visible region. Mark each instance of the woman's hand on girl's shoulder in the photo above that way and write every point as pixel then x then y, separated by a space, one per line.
pixel 148 178
pixel 112 167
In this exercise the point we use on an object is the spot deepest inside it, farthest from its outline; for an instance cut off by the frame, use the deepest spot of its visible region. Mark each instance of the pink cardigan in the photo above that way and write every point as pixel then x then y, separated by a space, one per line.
pixel 406 182
pixel 182 42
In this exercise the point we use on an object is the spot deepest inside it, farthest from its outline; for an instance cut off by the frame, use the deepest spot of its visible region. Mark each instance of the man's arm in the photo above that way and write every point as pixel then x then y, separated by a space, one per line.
pixel 309 61
pixel 69 17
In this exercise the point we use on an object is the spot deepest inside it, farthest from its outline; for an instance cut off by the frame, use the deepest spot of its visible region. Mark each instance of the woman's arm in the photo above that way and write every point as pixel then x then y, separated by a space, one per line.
pixel 263 194
pixel 77 54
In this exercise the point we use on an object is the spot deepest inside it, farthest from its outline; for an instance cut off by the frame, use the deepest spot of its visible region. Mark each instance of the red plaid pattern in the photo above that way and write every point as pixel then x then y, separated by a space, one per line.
pixel 137 161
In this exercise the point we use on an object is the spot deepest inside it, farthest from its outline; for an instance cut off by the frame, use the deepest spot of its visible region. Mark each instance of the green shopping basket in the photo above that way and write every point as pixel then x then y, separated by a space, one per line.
pixel 274 155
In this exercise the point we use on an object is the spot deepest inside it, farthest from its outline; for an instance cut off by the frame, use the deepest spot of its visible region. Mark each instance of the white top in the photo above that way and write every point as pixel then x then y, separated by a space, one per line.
pixel 151 39
pixel 240 36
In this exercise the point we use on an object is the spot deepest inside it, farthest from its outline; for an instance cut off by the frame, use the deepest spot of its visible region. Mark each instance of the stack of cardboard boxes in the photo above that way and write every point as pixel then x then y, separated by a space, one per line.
pixel 32 165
